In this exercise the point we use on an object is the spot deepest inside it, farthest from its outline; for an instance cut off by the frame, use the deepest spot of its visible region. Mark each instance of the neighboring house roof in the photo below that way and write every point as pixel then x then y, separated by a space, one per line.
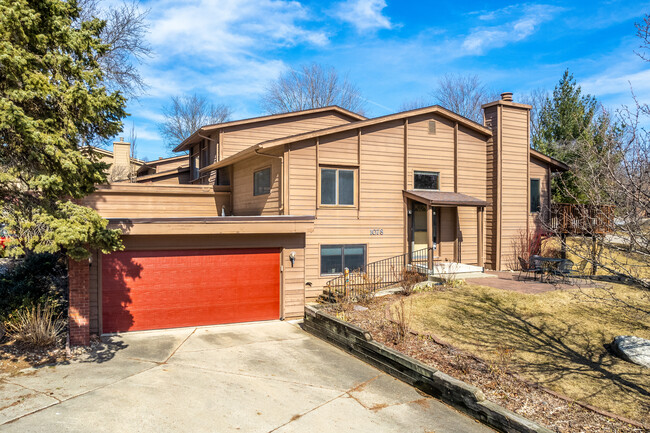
pixel 184 145
pixel 172 171
pixel 555 164
pixel 154 163
pixel 110 153
pixel 350 126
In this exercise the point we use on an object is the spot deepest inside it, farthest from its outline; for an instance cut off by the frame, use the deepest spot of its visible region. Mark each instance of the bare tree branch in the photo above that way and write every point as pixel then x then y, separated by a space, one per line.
pixel 312 86
pixel 186 114
pixel 414 104
pixel 536 98
pixel 464 95
pixel 643 33
pixel 125 33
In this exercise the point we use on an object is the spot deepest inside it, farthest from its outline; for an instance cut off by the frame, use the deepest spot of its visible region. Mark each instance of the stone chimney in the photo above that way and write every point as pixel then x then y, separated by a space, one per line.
pixel 121 168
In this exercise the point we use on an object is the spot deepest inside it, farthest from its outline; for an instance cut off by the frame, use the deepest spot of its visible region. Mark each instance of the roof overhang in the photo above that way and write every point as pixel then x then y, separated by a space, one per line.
pixel 556 165
pixel 444 199
pixel 208 128
pixel 270 144
pixel 165 173
pixel 268 224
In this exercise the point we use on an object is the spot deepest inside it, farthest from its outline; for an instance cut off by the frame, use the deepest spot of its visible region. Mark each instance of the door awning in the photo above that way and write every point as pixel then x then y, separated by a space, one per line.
pixel 444 199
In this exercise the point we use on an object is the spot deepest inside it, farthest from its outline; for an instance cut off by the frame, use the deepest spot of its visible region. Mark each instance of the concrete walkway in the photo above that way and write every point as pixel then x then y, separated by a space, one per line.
pixel 264 377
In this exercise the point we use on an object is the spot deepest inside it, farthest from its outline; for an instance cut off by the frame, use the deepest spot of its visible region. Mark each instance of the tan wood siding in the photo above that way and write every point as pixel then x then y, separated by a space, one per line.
pixel 338 149
pixel 381 177
pixel 244 202
pixel 514 178
pixel 472 160
pixel 238 138
pixel 151 201
pixel 431 152
pixel 302 178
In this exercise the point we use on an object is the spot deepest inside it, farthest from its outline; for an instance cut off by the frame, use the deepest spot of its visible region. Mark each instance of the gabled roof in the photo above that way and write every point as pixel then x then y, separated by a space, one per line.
pixel 434 109
pixel 183 146
pixel 555 164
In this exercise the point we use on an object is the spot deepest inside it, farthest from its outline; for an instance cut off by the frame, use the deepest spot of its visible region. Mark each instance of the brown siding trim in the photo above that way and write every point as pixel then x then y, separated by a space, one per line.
pixel 498 198
pixel 317 178
pixel 456 157
pixel 359 173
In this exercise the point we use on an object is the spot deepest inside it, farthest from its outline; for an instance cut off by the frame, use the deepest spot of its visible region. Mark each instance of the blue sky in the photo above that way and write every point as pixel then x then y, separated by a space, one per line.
pixel 393 51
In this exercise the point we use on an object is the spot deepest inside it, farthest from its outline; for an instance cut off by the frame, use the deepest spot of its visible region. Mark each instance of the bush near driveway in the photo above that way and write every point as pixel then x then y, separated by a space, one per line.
pixel 36 326
pixel 35 279
pixel 558 339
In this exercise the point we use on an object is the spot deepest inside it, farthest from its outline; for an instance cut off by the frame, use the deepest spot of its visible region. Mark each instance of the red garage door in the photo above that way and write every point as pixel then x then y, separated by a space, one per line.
pixel 169 289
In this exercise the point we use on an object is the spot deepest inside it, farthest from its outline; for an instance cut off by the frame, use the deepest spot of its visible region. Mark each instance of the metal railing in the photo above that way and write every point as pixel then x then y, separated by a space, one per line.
pixel 364 282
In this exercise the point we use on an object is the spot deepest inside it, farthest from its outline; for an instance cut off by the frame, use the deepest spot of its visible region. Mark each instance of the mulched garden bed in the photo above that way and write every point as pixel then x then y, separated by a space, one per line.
pixel 497 380
pixel 16 357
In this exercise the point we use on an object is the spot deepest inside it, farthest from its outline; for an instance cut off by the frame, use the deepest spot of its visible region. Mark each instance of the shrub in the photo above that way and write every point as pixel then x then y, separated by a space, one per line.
pixel 35 279
pixel 402 321
pixel 524 245
pixel 407 279
pixel 38 326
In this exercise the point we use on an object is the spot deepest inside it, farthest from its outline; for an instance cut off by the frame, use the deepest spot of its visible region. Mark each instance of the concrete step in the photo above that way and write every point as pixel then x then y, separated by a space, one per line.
pixel 460 276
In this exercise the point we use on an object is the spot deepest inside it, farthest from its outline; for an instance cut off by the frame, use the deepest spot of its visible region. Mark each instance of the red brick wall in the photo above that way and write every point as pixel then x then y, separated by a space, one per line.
pixel 79 307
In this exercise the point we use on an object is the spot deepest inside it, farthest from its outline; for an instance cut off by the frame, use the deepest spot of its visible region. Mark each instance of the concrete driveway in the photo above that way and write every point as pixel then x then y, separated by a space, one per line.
pixel 263 377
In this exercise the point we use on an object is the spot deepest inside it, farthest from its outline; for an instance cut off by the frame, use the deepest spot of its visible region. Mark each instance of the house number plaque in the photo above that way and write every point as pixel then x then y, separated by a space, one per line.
pixel 376 232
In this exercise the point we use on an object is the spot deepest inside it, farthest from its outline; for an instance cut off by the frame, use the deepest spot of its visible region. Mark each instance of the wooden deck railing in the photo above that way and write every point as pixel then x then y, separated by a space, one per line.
pixel 581 219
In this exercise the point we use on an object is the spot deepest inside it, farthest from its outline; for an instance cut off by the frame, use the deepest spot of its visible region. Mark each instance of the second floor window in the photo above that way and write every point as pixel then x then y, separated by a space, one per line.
pixel 337 187
pixel 535 196
pixel 426 180
pixel 194 163
pixel 205 154
pixel 262 181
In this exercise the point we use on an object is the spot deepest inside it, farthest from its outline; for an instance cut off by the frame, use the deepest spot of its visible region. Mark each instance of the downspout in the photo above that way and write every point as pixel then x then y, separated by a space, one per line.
pixel 281 183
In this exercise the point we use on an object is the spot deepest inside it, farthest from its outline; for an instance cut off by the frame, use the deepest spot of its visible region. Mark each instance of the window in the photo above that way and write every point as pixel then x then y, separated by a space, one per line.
pixel 335 258
pixel 262 181
pixel 535 196
pixel 205 154
pixel 337 187
pixel 194 163
pixel 426 180
pixel 223 176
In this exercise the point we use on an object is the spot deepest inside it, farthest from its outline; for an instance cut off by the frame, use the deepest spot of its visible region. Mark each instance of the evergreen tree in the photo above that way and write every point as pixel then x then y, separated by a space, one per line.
pixel 52 102
pixel 566 118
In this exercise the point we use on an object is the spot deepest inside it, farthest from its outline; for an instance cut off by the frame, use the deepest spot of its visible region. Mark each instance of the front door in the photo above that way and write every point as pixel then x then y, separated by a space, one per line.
pixel 418 224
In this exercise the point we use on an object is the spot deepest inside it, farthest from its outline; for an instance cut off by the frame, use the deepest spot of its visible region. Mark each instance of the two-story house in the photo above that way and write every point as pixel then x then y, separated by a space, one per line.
pixel 276 206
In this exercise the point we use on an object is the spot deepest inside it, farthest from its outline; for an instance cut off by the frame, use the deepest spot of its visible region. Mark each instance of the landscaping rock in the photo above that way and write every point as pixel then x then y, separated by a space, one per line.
pixel 360 308
pixel 632 349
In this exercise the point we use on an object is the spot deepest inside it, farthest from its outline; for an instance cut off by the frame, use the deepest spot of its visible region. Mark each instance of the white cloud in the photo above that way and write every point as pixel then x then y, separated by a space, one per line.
pixel 229 27
pixel 365 15
pixel 518 23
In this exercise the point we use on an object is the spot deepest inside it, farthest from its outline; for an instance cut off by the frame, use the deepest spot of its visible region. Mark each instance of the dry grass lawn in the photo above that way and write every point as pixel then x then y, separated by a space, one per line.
pixel 556 338
pixel 635 263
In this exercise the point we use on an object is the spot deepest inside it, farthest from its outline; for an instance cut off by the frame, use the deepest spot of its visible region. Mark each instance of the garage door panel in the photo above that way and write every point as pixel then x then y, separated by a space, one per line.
pixel 165 289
